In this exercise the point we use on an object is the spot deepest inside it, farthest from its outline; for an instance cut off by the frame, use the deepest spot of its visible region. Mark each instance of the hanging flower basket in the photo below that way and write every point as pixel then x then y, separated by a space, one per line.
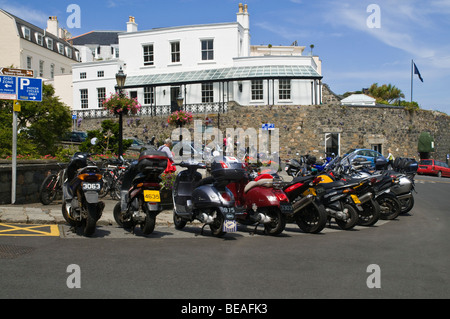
pixel 118 103
pixel 179 118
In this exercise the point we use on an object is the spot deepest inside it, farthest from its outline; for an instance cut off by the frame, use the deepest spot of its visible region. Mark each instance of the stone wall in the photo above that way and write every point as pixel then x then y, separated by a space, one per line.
pixel 30 175
pixel 302 128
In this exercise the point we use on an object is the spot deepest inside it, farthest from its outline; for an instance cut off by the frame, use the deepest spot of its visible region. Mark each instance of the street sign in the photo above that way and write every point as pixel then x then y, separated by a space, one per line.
pixel 16 72
pixel 268 127
pixel 8 86
pixel 29 89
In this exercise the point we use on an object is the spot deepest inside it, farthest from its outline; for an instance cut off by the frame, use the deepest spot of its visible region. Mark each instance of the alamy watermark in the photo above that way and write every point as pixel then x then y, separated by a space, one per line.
pixel 374 279
pixel 250 144
pixel 74 19
pixel 374 19
pixel 74 279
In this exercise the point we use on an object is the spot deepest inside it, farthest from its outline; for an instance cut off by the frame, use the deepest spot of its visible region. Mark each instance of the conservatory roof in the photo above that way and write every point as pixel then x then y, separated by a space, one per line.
pixel 225 74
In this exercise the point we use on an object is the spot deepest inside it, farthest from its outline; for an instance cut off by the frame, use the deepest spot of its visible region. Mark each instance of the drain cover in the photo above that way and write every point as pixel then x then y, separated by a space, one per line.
pixel 11 251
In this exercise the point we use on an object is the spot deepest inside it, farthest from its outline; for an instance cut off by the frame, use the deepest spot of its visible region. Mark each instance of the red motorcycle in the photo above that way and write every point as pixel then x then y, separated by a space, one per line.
pixel 261 200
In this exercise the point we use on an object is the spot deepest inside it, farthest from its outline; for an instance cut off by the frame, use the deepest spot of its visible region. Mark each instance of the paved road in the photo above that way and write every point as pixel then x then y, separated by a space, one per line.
pixel 411 253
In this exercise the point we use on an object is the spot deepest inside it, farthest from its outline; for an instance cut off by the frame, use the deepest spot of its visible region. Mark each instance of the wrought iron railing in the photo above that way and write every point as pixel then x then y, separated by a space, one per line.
pixel 157 110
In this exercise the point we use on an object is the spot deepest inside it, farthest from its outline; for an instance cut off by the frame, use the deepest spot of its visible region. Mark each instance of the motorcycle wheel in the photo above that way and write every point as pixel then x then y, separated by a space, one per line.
pixel 390 206
pixel 148 226
pixel 312 219
pixel 91 220
pixel 370 213
pixel 178 222
pixel 118 217
pixel 407 205
pixel 351 221
pixel 48 189
pixel 217 226
pixel 278 223
pixel 67 217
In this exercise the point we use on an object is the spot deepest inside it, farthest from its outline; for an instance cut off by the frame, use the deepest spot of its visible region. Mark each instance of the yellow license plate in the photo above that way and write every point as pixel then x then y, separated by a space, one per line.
pixel 356 199
pixel 152 196
pixel 310 191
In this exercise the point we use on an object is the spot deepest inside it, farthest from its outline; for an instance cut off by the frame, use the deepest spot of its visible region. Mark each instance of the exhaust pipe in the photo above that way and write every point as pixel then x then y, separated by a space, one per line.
pixel 302 203
pixel 365 198
pixel 405 196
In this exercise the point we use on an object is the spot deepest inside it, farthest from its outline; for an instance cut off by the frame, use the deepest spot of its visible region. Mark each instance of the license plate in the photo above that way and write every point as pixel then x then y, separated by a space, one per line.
pixel 286 208
pixel 229 212
pixel 355 199
pixel 152 196
pixel 230 226
pixel 91 186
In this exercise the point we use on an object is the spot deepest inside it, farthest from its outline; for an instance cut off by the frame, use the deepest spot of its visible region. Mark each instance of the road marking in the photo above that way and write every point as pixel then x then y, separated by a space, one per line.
pixel 25 230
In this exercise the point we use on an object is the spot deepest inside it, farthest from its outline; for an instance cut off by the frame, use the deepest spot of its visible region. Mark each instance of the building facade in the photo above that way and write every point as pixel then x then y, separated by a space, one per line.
pixel 26 46
pixel 209 65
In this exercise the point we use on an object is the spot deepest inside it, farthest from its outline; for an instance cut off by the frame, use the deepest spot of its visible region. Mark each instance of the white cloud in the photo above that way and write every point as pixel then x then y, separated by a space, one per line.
pixel 30 15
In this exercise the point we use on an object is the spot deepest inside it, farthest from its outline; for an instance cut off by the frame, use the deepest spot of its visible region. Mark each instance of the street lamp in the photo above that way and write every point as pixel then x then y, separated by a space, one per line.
pixel 120 80
pixel 180 100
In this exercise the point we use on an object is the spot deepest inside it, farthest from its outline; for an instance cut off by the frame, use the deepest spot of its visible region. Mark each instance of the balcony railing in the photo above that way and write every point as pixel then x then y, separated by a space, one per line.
pixel 157 110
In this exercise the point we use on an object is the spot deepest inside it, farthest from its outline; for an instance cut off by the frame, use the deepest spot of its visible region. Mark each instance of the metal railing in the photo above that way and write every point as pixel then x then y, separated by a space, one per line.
pixel 157 110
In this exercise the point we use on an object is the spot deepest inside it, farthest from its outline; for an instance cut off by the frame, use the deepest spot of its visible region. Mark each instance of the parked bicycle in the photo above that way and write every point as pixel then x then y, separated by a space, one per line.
pixel 113 171
pixel 51 187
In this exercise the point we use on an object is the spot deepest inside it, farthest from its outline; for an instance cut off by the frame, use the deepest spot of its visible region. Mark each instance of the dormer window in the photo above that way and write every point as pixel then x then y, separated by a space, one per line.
pixel 40 39
pixel 49 43
pixel 26 33
pixel 60 48
pixel 69 52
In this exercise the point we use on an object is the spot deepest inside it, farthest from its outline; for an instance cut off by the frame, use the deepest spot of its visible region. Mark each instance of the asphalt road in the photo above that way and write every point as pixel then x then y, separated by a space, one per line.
pixel 410 256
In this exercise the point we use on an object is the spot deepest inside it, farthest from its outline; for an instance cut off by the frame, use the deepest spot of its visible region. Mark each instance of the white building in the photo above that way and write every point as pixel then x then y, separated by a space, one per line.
pixel 26 46
pixel 210 65
pixel 359 99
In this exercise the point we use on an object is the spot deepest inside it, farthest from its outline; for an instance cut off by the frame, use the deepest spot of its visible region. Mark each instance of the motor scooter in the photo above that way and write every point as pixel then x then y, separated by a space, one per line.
pixel 83 182
pixel 140 193
pixel 207 199
pixel 261 200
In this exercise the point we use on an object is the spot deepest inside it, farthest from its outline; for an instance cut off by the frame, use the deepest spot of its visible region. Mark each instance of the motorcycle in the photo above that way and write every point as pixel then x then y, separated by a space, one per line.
pixel 307 211
pixel 140 192
pixel 81 205
pixel 261 201
pixel 207 199
pixel 362 194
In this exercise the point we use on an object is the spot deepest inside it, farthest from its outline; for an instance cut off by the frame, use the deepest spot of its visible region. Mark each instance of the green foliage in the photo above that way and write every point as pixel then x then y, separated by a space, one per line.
pixel 107 139
pixel 386 92
pixel 40 125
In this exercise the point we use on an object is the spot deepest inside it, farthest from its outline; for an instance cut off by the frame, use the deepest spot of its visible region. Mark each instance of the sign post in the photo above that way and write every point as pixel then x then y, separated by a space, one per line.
pixel 18 85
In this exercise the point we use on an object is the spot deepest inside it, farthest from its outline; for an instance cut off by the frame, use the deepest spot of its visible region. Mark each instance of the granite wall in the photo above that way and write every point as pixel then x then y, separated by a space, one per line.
pixel 302 128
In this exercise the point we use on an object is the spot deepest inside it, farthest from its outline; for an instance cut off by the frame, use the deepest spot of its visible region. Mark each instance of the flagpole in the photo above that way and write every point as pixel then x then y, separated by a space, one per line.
pixel 412 75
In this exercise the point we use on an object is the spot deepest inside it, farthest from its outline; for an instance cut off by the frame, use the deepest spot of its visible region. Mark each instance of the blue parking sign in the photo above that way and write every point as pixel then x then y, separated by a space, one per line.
pixel 29 89
pixel 8 87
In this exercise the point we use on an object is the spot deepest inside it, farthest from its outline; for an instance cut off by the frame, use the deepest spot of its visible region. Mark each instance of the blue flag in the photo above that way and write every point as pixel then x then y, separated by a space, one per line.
pixel 416 71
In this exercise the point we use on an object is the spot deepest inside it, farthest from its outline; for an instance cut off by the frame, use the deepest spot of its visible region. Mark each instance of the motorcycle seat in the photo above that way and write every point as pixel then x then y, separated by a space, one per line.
pixel 336 184
pixel 265 182
pixel 302 179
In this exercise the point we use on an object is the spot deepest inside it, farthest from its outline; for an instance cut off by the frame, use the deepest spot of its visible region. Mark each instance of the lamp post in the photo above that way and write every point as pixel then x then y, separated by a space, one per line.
pixel 180 101
pixel 120 80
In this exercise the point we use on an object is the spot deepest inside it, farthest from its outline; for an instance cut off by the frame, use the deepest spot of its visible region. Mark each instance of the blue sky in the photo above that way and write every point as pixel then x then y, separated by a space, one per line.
pixel 353 55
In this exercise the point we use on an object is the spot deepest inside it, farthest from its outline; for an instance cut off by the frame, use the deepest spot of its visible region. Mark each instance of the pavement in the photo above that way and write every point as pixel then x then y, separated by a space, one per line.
pixel 37 214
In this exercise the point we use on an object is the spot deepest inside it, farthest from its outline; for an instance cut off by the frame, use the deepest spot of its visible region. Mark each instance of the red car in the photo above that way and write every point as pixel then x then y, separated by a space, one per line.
pixel 433 167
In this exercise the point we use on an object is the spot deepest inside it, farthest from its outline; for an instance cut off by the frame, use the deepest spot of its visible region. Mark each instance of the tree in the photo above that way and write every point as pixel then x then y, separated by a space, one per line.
pixel 388 93
pixel 107 139
pixel 41 125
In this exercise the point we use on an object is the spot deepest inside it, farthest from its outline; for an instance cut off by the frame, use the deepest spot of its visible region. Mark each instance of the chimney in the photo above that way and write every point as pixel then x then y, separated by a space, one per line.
pixel 132 25
pixel 53 26
pixel 243 18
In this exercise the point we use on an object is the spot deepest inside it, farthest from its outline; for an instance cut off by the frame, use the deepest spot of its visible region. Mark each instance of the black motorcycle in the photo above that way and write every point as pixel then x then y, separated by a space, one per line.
pixel 140 195
pixel 207 199
pixel 81 205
